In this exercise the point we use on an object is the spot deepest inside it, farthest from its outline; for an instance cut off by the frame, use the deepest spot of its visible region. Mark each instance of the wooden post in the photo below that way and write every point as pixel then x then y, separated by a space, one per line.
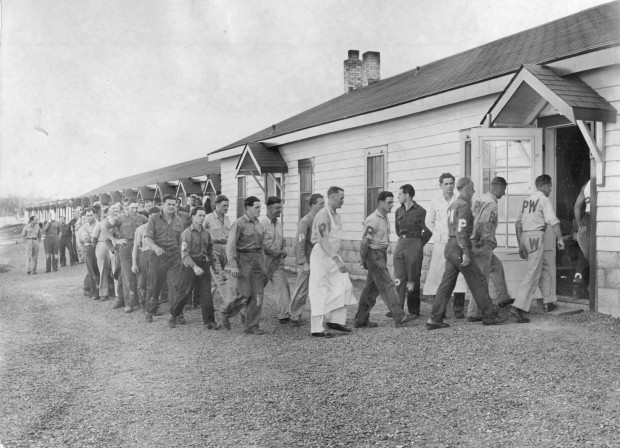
pixel 592 259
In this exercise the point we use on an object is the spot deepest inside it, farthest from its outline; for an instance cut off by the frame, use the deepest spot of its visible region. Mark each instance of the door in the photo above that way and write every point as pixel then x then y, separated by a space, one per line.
pixel 516 154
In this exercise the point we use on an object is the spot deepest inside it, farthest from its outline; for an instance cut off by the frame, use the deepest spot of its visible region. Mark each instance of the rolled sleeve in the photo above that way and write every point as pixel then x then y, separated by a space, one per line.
pixel 550 218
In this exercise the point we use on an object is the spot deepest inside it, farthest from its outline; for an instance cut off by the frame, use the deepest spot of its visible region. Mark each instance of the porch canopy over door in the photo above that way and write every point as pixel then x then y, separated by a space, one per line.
pixel 257 159
pixel 538 97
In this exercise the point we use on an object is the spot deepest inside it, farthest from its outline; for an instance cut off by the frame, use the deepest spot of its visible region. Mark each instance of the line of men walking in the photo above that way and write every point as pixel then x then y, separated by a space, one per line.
pixel 198 255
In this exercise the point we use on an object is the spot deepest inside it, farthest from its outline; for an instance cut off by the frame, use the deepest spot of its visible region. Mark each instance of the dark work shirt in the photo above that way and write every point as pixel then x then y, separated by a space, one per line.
pixel 126 224
pixel 461 223
pixel 411 222
pixel 303 240
pixel 52 228
pixel 245 234
pixel 196 243
pixel 166 235
pixel 66 230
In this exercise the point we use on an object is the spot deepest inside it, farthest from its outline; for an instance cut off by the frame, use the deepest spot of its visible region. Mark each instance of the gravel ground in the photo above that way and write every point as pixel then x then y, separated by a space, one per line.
pixel 74 372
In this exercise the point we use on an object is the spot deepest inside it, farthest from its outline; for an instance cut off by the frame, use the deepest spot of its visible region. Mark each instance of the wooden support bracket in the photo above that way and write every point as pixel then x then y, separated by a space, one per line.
pixel 597 148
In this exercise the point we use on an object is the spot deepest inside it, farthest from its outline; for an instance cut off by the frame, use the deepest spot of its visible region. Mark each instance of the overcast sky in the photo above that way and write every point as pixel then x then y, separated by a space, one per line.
pixel 126 86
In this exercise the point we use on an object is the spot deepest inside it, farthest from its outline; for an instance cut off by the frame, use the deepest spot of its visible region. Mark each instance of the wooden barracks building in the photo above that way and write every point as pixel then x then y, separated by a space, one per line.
pixel 544 100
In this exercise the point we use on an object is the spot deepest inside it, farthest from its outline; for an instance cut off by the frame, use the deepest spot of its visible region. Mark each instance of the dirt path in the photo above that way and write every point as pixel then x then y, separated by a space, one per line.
pixel 74 372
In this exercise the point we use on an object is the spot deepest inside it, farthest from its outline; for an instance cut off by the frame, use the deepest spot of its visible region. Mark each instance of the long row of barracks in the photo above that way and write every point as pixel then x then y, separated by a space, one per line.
pixel 544 100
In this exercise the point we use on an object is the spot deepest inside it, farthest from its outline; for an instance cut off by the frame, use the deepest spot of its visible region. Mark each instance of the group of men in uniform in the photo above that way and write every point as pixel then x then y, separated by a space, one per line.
pixel 200 254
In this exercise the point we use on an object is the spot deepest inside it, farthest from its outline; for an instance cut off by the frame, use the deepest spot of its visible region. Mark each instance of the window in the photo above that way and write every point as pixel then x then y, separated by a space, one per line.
pixel 466 153
pixel 510 159
pixel 306 174
pixel 375 176
pixel 271 186
pixel 241 193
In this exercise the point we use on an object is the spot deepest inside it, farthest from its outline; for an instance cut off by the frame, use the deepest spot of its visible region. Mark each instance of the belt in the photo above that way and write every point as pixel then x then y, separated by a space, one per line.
pixel 171 251
pixel 31 238
pixel 88 245
pixel 250 251
pixel 409 237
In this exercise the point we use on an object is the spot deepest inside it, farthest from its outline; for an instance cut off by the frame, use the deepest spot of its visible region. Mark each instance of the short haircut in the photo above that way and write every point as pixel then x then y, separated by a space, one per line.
pixel 499 181
pixel 249 201
pixel 384 195
pixel 314 198
pixel 446 176
pixel 168 197
pixel 273 200
pixel 195 210
pixel 32 218
pixel 334 190
pixel 408 189
pixel 463 182
pixel 154 210
pixel 220 198
pixel 89 209
pixel 542 180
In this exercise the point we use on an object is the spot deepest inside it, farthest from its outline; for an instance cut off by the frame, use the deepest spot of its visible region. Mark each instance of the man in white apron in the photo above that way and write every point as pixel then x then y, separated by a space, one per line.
pixel 535 215
pixel 330 288
pixel 437 222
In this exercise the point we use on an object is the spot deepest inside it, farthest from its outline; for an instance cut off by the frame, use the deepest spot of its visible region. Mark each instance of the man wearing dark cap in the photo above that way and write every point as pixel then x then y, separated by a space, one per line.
pixel 484 242
pixel 459 259
pixel 409 253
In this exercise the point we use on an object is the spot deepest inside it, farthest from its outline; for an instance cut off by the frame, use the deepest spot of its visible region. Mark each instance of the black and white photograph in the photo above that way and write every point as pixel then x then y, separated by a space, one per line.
pixel 309 223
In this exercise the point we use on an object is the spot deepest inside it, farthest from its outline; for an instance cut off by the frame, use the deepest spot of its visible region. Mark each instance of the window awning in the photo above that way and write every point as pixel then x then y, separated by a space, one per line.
pixel 256 158
pixel 162 189
pixel 188 187
pixel 145 194
pixel 213 185
pixel 537 96
pixel 535 89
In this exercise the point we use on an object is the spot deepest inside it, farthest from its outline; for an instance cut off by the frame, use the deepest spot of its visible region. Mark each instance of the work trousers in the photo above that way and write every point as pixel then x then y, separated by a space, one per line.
pixel 129 281
pixel 378 282
pixel 493 270
pixel 163 268
pixel 476 281
pixel 408 257
pixel 115 270
pixel 141 277
pixel 50 245
pixel 282 291
pixel 337 316
pixel 223 287
pixel 538 271
pixel 104 264
pixel 66 244
pixel 32 254
pixel 250 288
pixel 92 271
pixel 201 286
pixel 300 294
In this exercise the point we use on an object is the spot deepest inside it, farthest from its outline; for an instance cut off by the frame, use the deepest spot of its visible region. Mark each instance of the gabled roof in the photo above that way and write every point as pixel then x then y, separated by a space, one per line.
pixel 259 159
pixel 583 32
pixel 534 87
pixel 189 187
pixel 191 168
pixel 162 189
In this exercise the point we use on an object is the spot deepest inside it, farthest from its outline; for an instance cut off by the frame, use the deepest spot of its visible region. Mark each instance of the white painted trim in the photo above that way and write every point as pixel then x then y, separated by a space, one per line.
pixel 205 191
pixel 232 152
pixel 244 154
pixel 588 61
pixel 596 150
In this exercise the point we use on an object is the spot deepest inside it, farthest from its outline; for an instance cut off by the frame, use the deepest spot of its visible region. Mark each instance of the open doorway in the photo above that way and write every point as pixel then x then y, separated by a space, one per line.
pixel 572 173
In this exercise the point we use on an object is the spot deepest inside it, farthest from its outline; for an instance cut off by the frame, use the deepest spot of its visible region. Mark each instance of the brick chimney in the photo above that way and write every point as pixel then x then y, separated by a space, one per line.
pixel 352 71
pixel 371 67
pixel 361 73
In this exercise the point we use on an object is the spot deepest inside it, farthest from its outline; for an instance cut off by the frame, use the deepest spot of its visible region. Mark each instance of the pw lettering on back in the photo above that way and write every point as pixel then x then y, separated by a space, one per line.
pixel 532 205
